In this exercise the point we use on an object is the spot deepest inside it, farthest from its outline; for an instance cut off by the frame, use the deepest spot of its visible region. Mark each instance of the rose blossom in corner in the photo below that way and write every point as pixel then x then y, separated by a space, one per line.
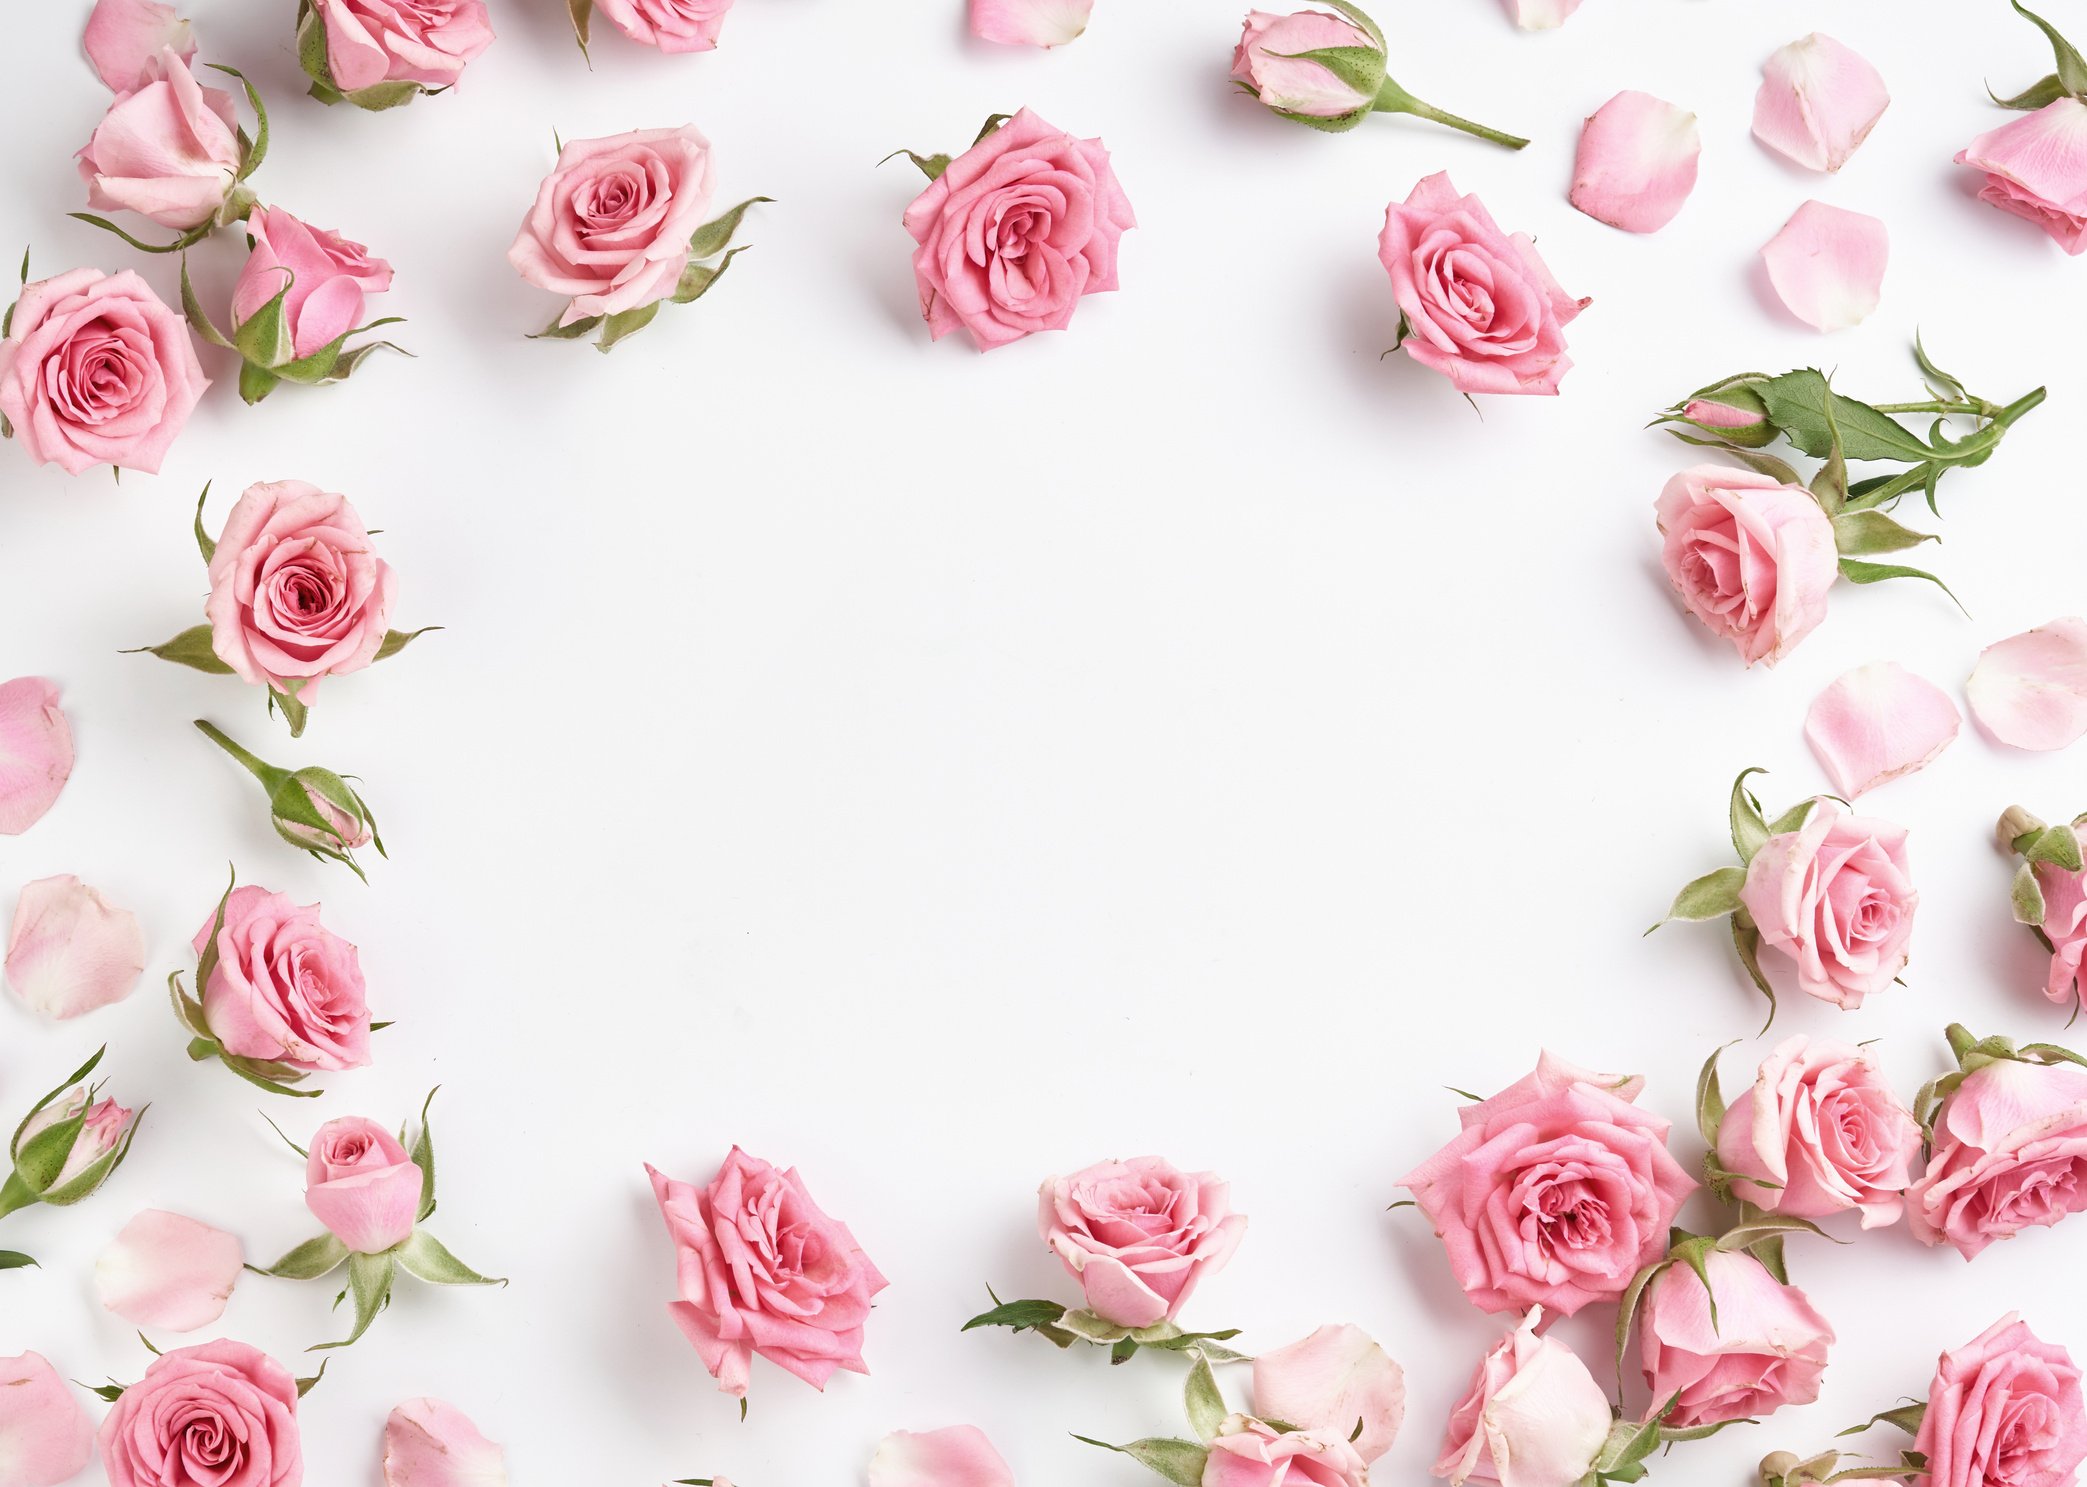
pixel 1750 557
pixel 377 54
pixel 670 25
pixel 2036 168
pixel 2004 1410
pixel 1252 1453
pixel 1138 1235
pixel 201 1414
pixel 1533 1416
pixel 2050 895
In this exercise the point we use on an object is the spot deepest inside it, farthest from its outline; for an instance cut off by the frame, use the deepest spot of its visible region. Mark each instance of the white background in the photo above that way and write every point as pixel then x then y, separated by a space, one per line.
pixel 1189 733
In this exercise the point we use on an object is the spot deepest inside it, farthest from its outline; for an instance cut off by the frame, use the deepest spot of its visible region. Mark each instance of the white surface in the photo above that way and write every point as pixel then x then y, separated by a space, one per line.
pixel 1188 733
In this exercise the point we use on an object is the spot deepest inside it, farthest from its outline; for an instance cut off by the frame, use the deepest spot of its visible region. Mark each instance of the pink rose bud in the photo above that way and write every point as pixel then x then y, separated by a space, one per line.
pixel 1766 1348
pixel 2036 168
pixel 2064 926
pixel 311 808
pixel 46 1435
pixel 2009 1153
pixel 1731 409
pixel 670 25
pixel 168 1273
pixel 124 38
pixel 70 1144
pixel 278 994
pixel 1820 1132
pixel 70 951
pixel 1138 1235
pixel 1827 265
pixel 169 151
pixel 201 1413
pixel 957 1456
pixel 1044 23
pixel 431 1444
pixel 1637 162
pixel 302 292
pixel 1750 557
pixel 1337 1381
pixel 1533 1416
pixel 378 54
pixel 2004 1410
pixel 1250 1453
pixel 361 1184
pixel 1835 896
pixel 1818 101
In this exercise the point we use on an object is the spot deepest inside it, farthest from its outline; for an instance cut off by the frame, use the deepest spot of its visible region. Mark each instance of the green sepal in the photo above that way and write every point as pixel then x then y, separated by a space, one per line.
pixel 2072 67
pixel 1859 533
pixel 311 53
pixel 308 1261
pixel 624 324
pixel 1180 1462
pixel 2042 93
pixel 14 1146
pixel 100 1170
pixel 697 278
pixel 581 14
pixel 255 150
pixel 2028 896
pixel 190 648
pixel 1712 896
pixel 1856 571
pixel 713 237
pixel 387 95
pixel 1746 939
pixel 426 1258
pixel 422 1152
pixel 181 244
pixel 15 1260
pixel 263 338
pixel 397 640
pixel 931 166
pixel 1710 1099
pixel 1204 1401
pixel 1358 68
pixel 1907 1417
pixel 294 711
pixel 2058 845
pixel 369 1286
pixel 573 332
pixel 205 543
pixel 1749 830
pixel 255 383
pixel 310 1381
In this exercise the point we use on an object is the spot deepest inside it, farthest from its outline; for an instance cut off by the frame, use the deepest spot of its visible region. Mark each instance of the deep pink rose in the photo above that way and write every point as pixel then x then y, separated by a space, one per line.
pixel 402 41
pixel 168 151
pixel 1766 1349
pixel 1752 558
pixel 221 1414
pixel 2009 1153
pixel 362 1185
pixel 670 25
pixel 2036 167
pixel 1015 231
pixel 1480 307
pixel 1138 1235
pixel 95 370
pixel 1248 1453
pixel 612 221
pixel 1533 1416
pixel 1819 1132
pixel 1269 62
pixel 2004 1410
pixel 1556 1193
pixel 326 276
pixel 2065 926
pixel 285 988
pixel 1835 896
pixel 296 593
pixel 764 1270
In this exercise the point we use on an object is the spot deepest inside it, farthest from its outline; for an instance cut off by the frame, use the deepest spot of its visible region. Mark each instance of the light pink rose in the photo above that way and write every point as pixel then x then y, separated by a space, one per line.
pixel 168 151
pixel 2009 1153
pixel 104 1124
pixel 221 1414
pixel 612 221
pixel 1835 896
pixel 1766 1349
pixel 168 1272
pixel 71 951
pixel 670 25
pixel 1750 557
pixel 1138 1235
pixel 285 988
pixel 1636 163
pixel 96 370
pixel 45 1437
pixel 2036 167
pixel 1533 1416
pixel 1016 231
pixel 1819 1132
pixel 956 1456
pixel 323 277
pixel 428 1443
pixel 124 37
pixel 763 1270
pixel 2004 1410
pixel 35 752
pixel 1249 1453
pixel 1819 100
pixel 296 593
pixel 1556 1193
pixel 362 1185
pixel 1268 62
pixel 1044 23
pixel 1337 1381
pixel 402 41
pixel 2065 926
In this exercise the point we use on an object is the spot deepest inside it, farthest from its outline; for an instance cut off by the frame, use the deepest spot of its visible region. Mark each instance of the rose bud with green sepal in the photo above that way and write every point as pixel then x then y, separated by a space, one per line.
pixel 2050 894
pixel 1730 410
pixel 311 808
pixel 68 1145
pixel 378 54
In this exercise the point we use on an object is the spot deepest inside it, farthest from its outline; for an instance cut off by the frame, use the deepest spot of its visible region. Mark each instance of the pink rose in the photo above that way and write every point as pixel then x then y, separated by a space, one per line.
pixel 1479 306
pixel 284 988
pixel 2065 926
pixel 1750 557
pixel 2004 1410
pixel 321 276
pixel 1533 1417
pixel 612 221
pixel 1138 1235
pixel 1556 1193
pixel 95 370
pixel 764 1270
pixel 1820 1132
pixel 221 1414
pixel 296 594
pixel 414 44
pixel 1248 1453
pixel 45 1437
pixel 1269 63
pixel 125 37
pixel 362 1185
pixel 1834 896
pixel 103 1126
pixel 1015 232
pixel 1766 1349
pixel 670 25
pixel 2009 1153
pixel 168 151
pixel 2036 167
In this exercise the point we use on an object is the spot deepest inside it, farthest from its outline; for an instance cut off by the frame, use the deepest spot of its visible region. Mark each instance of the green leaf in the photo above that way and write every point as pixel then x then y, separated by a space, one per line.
pixel 205 544
pixel 713 237
pixel 190 648
pixel 581 13
pixel 573 332
pixel 1945 387
pixel 1358 68
pixel 1747 941
pixel 397 640
pixel 294 711
pixel 1749 831
pixel 2072 67
pixel 369 1284
pixel 697 278
pixel 1711 896
pixel 2028 897
pixel 423 1154
pixel 1906 1417
pixel 1798 402
pixel 2042 93
pixel 1205 1404
pixel 427 1258
pixel 1710 1099
pixel 309 1260
pixel 1020 1315
pixel 626 323
pixel 931 166
pixel 1860 572
pixel 1179 1461
pixel 257 149
pixel 1859 533
pixel 2058 845
pixel 14 1260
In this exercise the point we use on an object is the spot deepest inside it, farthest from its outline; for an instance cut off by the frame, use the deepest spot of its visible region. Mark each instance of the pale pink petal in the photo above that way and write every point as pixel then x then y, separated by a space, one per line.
pixel 1876 723
pixel 168 1273
pixel 958 1456
pixel 1637 162
pixel 45 1436
pixel 35 752
pixel 431 1444
pixel 1338 1382
pixel 124 35
pixel 2030 690
pixel 1541 15
pixel 70 950
pixel 1827 265
pixel 1818 101
pixel 1043 23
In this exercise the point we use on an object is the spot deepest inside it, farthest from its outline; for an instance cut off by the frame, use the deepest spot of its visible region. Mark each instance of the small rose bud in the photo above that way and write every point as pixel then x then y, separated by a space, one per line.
pixel 67 1147
pixel 299 297
pixel 1731 409
pixel 2016 823
pixel 1777 1464
pixel 312 808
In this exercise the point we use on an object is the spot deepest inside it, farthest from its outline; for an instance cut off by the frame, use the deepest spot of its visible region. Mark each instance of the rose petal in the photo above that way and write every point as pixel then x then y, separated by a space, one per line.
pixel 431 1444
pixel 1827 265
pixel 1637 162
pixel 45 1437
pixel 1336 1381
pixel 1044 23
pixel 168 1273
pixel 957 1456
pixel 70 950
pixel 2030 690
pixel 1541 15
pixel 35 752
pixel 124 35
pixel 2036 167
pixel 1876 723
pixel 1818 101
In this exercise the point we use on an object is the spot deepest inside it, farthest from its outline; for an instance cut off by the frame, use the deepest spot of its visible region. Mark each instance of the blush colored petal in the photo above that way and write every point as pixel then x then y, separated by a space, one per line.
pixel 1876 723
pixel 958 1456
pixel 45 1437
pixel 1043 23
pixel 1637 162
pixel 431 1444
pixel 1827 265
pixel 2030 690
pixel 1818 101
pixel 168 1273
pixel 70 950
pixel 35 752
pixel 1541 15
pixel 124 35
pixel 1338 1382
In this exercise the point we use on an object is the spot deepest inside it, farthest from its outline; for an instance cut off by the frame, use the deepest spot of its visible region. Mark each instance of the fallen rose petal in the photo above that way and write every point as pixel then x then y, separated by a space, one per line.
pixel 168 1273
pixel 124 35
pixel 1541 15
pixel 431 1444
pixel 1338 1382
pixel 1637 162
pixel 957 1456
pixel 1827 265
pixel 35 752
pixel 1876 723
pixel 1044 23
pixel 70 950
pixel 45 1437
pixel 2030 690
pixel 1818 101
